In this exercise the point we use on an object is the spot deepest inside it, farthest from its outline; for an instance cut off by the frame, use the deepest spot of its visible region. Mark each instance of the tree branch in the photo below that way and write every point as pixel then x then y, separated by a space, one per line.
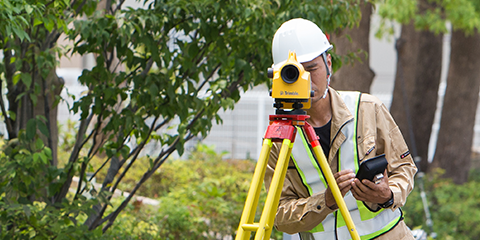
pixel 147 67
pixel 119 6
pixel 160 160
pixel 79 8
pixel 135 156
pixel 160 125
pixel 73 157
pixel 98 221
pixel 112 216
pixel 108 6
pixel 80 180
pixel 108 159
pixel 95 133
pixel 207 79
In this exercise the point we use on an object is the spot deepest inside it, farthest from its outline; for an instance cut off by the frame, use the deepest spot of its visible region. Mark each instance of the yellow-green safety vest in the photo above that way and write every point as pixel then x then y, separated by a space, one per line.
pixel 368 224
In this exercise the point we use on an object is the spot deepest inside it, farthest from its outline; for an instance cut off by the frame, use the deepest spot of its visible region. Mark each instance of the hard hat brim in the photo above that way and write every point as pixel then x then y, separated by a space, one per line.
pixel 304 58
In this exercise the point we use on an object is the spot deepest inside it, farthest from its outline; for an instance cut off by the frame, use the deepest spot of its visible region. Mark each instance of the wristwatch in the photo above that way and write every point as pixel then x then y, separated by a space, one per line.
pixel 387 204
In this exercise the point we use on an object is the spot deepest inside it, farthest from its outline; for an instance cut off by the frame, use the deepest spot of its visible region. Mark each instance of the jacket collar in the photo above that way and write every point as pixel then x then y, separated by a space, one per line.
pixel 340 116
pixel 340 112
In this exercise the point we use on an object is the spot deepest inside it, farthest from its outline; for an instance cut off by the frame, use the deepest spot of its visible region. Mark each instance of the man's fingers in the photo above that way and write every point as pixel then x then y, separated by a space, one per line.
pixel 356 188
pixel 345 190
pixel 344 181
pixel 369 184
pixel 357 191
pixel 345 178
pixel 355 195
pixel 360 185
pixel 343 172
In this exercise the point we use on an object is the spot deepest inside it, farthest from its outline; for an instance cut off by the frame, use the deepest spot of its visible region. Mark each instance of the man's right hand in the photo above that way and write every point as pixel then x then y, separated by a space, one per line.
pixel 344 181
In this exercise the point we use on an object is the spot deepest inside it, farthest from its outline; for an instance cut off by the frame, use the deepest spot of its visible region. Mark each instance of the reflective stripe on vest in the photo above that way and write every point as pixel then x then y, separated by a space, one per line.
pixel 368 224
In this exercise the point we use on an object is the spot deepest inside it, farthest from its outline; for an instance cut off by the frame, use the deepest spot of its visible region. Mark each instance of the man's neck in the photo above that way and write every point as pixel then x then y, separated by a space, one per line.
pixel 320 112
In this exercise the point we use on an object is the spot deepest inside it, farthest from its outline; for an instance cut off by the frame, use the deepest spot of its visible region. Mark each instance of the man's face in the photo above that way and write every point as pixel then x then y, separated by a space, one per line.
pixel 318 75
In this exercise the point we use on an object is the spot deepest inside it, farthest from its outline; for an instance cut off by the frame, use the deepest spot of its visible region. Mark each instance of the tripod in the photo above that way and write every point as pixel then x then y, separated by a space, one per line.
pixel 282 128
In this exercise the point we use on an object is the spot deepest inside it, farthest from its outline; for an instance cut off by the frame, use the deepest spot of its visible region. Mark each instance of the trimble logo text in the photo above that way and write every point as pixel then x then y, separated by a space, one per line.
pixel 289 93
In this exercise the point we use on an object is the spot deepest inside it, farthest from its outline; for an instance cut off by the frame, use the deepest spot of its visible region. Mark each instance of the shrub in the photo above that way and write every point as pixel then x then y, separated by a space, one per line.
pixel 455 209
pixel 27 184
pixel 200 198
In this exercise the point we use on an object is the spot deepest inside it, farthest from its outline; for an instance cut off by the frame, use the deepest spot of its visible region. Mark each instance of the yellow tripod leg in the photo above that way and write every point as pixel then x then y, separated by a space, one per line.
pixel 273 197
pixel 264 228
pixel 247 225
pixel 332 183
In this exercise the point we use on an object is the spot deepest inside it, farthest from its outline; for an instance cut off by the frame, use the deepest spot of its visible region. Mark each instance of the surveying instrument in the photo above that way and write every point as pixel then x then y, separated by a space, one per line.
pixel 291 90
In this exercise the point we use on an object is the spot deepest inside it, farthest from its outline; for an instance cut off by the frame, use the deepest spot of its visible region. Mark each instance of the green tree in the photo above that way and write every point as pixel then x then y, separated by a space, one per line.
pixel 418 71
pixel 28 36
pixel 353 46
pixel 419 66
pixel 455 137
pixel 161 75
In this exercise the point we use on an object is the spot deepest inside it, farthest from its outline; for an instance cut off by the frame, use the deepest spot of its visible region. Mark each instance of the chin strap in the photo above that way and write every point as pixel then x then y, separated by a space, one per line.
pixel 324 55
pixel 326 88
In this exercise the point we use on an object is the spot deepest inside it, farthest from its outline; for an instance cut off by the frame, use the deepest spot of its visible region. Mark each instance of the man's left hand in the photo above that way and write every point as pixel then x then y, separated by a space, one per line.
pixel 368 191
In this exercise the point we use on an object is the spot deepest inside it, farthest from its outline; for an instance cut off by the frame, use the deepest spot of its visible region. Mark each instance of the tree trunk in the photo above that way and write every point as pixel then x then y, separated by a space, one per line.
pixel 24 108
pixel 356 75
pixel 415 93
pixel 455 137
pixel 45 107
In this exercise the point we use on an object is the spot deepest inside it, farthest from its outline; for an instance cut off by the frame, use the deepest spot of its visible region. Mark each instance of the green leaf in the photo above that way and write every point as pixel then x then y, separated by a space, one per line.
pixel 26 79
pixel 43 128
pixel 16 78
pixel 109 92
pixel 48 23
pixel 33 221
pixel 153 90
pixel 39 144
pixel 44 158
pixel 26 210
pixel 12 115
pixel 20 33
pixel 37 21
pixel 180 148
pixel 125 151
pixel 31 129
pixel 36 157
pixel 34 98
pixel 28 9
pixel 48 152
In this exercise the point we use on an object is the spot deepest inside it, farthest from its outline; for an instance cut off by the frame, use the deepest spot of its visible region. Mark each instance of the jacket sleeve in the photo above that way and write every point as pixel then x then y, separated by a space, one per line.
pixel 389 140
pixel 297 211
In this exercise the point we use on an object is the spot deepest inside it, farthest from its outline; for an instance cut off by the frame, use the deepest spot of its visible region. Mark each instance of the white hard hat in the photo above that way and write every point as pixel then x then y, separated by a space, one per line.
pixel 299 35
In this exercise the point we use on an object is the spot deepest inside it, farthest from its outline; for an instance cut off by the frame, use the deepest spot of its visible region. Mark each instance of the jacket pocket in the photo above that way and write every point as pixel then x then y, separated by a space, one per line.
pixel 366 147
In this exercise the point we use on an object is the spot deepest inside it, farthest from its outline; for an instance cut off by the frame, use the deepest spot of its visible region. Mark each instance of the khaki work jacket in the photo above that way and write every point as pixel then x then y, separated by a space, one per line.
pixel 377 133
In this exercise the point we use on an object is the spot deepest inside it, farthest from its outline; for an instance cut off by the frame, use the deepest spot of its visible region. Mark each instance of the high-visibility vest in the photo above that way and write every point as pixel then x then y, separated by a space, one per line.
pixel 368 224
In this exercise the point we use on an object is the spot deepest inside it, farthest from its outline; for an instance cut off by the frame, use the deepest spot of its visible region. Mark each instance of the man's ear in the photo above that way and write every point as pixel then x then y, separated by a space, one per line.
pixel 327 58
pixel 329 63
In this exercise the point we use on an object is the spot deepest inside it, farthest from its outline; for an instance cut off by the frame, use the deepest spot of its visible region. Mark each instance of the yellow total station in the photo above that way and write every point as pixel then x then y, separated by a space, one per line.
pixel 291 83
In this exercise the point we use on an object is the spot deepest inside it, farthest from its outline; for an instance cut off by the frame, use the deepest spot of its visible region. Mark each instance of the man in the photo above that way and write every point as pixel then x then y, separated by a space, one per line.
pixel 352 127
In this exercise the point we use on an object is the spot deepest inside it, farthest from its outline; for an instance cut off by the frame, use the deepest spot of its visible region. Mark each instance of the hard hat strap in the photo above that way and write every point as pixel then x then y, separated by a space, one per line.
pixel 324 55
pixel 326 88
